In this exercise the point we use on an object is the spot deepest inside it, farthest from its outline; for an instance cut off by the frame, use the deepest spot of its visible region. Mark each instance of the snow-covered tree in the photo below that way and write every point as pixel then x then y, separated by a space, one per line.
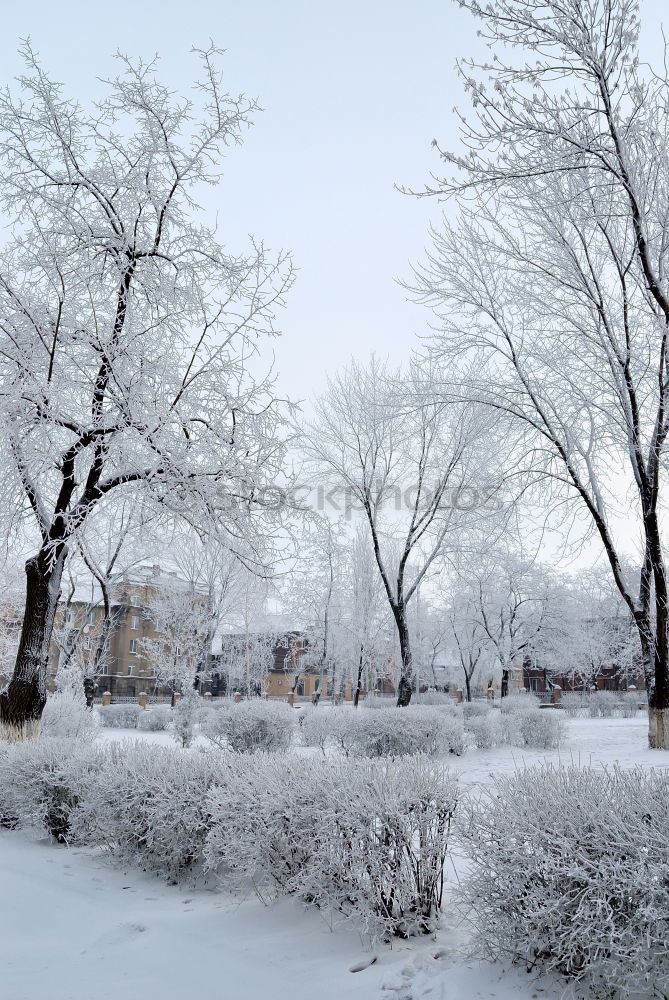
pixel 179 646
pixel 552 284
pixel 125 326
pixel 594 636
pixel 403 466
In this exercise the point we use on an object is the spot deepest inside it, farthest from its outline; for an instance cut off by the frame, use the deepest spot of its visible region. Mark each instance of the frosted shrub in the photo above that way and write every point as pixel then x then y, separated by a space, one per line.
pixel 123 716
pixel 365 839
pixel 518 703
pixel 602 704
pixel 570 870
pixel 607 704
pixel 148 807
pixel 155 719
pixel 389 732
pixel 331 728
pixel 251 726
pixel 184 717
pixel 379 701
pixel 41 782
pixel 264 823
pixel 434 698
pixel 382 845
pixel 400 732
pixel 628 703
pixel 574 704
pixel 66 715
pixel 541 729
pixel 472 708
pixel 509 729
pixel 486 730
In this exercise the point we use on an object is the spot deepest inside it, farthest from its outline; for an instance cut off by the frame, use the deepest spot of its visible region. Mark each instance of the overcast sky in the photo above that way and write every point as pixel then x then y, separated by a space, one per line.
pixel 353 92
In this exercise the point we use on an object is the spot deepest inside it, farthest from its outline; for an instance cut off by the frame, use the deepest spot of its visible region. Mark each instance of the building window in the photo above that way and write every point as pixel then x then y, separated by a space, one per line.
pixel 90 618
pixel 134 622
pixel 131 670
pixel 134 600
pixel 69 617
pixel 133 645
pixel 87 643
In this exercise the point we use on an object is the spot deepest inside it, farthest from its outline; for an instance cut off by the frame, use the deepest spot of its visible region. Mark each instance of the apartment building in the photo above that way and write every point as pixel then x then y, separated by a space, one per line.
pixel 156 622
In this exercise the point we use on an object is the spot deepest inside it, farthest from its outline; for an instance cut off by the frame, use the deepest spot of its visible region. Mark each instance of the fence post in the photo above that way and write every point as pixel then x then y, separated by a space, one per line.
pixel 207 696
pixel 142 699
pixel 459 696
pixel 106 698
pixel 556 694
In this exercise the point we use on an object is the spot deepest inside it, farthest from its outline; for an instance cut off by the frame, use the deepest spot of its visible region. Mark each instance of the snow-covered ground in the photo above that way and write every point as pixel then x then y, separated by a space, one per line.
pixel 74 927
pixel 596 742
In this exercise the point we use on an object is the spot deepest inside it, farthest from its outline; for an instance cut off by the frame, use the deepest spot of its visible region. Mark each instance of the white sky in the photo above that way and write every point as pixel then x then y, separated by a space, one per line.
pixel 353 91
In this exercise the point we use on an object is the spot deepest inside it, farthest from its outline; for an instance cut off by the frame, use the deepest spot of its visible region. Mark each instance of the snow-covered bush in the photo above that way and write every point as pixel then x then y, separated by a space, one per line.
pixel 570 870
pixel 330 729
pixel 434 698
pixel 628 703
pixel 42 781
pixel 601 704
pixel 486 730
pixel 264 823
pixel 526 726
pixel 519 702
pixel 66 715
pixel 148 806
pixel 380 701
pixel 574 704
pixel 399 732
pixel 123 716
pixel 472 708
pixel 541 729
pixel 251 726
pixel 366 839
pixel 155 719
pixel 185 716
pixel 389 732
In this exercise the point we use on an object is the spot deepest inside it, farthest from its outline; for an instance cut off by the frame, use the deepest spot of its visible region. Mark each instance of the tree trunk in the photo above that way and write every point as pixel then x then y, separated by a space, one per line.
pixel 404 686
pixel 505 684
pixel 358 686
pixel 22 701
pixel 468 687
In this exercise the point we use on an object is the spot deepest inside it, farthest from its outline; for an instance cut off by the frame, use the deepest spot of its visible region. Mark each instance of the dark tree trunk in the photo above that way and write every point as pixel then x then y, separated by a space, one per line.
pixel 358 686
pixel 89 691
pixel 22 701
pixel 468 687
pixel 505 684
pixel 658 647
pixel 404 686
